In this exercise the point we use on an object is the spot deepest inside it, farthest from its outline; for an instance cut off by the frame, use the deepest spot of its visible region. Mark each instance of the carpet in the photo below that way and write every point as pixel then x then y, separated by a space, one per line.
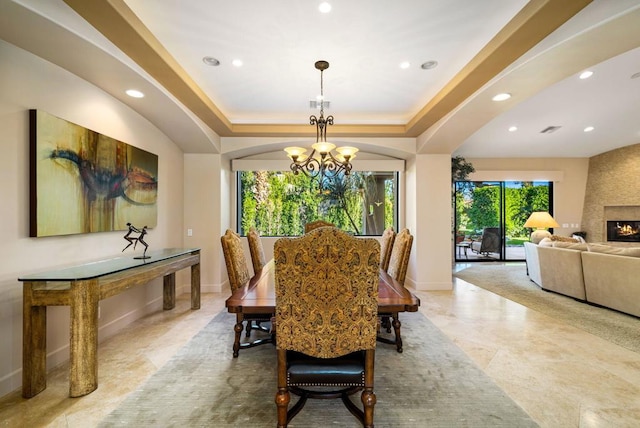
pixel 432 383
pixel 512 282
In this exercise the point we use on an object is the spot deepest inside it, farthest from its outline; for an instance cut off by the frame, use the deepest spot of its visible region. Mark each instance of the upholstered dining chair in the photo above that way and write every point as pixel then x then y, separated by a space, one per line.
pixel 235 260
pixel 326 320
pixel 316 224
pixel 256 250
pixel 238 272
pixel 398 264
pixel 386 245
pixel 399 258
pixel 258 261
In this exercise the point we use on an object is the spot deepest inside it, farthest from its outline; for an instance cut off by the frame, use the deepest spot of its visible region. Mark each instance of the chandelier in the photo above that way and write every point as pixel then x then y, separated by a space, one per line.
pixel 321 165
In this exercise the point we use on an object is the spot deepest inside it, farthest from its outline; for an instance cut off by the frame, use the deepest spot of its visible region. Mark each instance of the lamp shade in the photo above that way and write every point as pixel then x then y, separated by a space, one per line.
pixel 540 220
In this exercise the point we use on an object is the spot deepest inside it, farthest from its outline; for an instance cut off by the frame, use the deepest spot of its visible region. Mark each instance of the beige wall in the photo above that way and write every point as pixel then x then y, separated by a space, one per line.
pixel 28 82
pixel 569 176
pixel 614 190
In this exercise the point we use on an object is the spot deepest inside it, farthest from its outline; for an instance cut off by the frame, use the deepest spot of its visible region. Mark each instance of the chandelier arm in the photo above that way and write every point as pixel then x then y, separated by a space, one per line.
pixel 321 166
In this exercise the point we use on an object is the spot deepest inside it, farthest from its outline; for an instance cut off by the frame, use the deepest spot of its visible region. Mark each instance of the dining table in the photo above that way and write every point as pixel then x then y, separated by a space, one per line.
pixel 258 296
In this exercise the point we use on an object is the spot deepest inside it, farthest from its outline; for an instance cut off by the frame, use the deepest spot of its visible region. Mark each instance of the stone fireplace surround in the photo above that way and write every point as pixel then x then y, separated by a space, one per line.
pixel 613 185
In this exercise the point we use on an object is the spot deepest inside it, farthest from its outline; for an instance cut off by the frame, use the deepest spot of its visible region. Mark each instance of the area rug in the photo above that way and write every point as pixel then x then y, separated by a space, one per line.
pixel 512 282
pixel 431 384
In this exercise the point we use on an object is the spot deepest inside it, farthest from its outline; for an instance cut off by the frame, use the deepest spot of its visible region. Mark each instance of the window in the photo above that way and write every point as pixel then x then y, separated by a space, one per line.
pixel 280 203
pixel 505 205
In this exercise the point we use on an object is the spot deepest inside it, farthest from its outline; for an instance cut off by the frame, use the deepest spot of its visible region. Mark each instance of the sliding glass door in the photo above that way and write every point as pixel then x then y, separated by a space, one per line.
pixel 489 217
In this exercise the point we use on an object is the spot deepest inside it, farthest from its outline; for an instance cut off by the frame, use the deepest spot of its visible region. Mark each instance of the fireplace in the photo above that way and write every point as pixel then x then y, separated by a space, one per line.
pixel 623 230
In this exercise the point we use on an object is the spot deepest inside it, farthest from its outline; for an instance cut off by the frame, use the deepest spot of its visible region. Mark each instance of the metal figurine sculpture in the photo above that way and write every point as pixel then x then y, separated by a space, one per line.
pixel 133 240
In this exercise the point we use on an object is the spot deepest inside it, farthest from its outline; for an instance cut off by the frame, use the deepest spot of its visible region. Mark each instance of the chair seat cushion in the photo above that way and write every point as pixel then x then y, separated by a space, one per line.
pixel 303 370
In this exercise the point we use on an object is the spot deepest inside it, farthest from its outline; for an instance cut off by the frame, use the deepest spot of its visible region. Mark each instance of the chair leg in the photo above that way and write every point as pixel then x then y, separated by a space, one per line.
pixel 385 322
pixel 368 398
pixel 282 403
pixel 248 328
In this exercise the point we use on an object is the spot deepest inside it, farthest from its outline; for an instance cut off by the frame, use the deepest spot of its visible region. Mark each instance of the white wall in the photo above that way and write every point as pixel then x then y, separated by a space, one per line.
pixel 202 214
pixel 27 82
pixel 428 218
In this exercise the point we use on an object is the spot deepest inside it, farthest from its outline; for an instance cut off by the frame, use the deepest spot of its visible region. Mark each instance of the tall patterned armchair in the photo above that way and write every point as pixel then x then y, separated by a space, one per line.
pixel 398 264
pixel 256 250
pixel 316 224
pixel 326 320
pixel 386 245
pixel 238 272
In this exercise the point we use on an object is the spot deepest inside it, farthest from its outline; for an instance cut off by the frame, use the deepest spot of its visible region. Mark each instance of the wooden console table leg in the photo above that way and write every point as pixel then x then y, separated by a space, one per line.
pixel 195 286
pixel 83 376
pixel 34 344
pixel 169 291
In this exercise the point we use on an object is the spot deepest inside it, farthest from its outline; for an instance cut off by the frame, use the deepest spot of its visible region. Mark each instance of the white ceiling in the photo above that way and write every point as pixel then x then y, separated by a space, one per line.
pixel 365 41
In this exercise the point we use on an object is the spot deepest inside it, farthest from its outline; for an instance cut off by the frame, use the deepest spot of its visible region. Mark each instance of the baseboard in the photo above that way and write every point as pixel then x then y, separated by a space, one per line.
pixel 428 286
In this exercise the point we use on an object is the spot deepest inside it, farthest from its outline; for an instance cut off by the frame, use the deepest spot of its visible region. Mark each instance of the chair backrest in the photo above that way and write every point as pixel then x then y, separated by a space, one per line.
pixel 256 250
pixel 235 260
pixel 490 240
pixel 386 245
pixel 400 253
pixel 316 224
pixel 326 293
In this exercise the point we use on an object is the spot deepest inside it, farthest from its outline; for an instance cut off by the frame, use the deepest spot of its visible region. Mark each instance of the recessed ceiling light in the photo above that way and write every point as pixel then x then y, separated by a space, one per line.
pixel 404 65
pixel 589 129
pixel 209 60
pixel 501 97
pixel 586 74
pixel 513 128
pixel 134 93
pixel 429 65
pixel 324 7
pixel 237 62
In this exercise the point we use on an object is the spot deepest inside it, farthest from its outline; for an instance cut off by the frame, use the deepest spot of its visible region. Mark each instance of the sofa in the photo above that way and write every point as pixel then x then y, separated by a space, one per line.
pixel 600 274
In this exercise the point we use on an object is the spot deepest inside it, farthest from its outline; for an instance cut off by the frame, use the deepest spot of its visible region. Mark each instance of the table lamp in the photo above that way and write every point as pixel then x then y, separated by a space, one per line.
pixel 541 221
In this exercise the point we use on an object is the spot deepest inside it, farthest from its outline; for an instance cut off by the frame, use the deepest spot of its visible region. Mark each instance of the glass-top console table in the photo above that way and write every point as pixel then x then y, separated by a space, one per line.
pixel 82 287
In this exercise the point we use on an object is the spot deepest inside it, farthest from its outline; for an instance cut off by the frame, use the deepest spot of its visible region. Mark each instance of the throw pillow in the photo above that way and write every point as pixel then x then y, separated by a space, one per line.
pixel 546 242
pixel 563 239
pixel 579 238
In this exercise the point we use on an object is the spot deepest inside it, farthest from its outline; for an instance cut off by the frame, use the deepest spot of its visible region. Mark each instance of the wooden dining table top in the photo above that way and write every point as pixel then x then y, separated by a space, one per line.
pixel 259 295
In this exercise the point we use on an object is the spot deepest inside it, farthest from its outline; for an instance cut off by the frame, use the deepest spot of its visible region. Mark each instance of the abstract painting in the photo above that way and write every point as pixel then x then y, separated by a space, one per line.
pixel 82 181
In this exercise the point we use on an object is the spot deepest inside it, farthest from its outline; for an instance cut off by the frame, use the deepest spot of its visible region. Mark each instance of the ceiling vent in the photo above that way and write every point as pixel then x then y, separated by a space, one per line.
pixel 550 129
pixel 316 105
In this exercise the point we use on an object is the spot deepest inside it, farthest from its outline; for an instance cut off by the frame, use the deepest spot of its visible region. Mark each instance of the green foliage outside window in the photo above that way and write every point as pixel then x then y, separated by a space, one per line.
pixel 478 206
pixel 280 203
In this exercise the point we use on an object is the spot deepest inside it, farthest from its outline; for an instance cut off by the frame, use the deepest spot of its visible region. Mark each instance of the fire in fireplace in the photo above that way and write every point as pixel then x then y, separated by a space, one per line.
pixel 623 230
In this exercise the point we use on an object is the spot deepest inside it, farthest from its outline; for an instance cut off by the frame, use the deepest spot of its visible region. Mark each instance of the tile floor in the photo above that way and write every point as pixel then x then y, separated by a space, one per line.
pixel 560 375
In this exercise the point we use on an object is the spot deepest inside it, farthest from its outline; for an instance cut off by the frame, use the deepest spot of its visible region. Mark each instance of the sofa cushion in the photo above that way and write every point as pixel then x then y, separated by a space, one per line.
pixel 570 245
pixel 619 251
pixel 561 271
